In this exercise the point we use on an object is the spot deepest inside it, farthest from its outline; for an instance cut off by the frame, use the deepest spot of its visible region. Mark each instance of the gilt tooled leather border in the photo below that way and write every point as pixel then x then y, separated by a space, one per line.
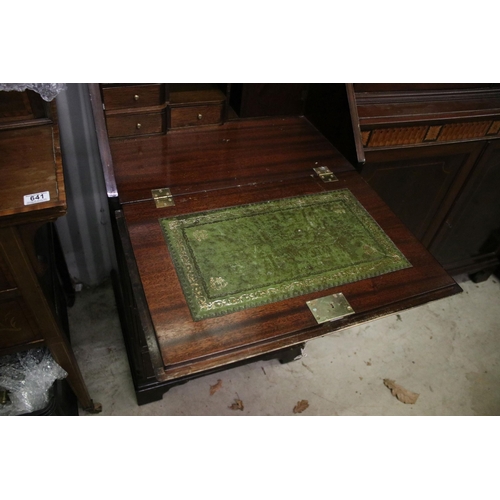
pixel 205 294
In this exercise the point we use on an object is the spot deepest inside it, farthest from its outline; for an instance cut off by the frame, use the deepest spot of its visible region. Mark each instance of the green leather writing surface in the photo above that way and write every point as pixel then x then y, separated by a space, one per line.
pixel 239 257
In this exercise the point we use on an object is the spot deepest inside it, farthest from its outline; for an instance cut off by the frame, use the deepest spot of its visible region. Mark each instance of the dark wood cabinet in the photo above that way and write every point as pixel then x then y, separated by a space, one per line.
pixel 196 167
pixel 430 151
pixel 469 238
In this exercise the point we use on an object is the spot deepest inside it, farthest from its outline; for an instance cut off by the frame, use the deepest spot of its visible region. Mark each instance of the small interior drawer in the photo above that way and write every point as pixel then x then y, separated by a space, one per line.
pixel 127 125
pixel 15 328
pixel 133 96
pixel 189 116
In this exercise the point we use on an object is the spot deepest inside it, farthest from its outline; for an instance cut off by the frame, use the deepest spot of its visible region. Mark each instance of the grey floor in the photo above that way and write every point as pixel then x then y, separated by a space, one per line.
pixel 447 351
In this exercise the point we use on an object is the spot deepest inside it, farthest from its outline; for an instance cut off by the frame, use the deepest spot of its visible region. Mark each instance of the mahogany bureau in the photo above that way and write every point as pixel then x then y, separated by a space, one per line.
pixel 217 146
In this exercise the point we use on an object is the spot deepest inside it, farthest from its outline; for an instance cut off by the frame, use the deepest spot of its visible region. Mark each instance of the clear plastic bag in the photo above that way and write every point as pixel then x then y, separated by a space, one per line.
pixel 28 377
pixel 48 91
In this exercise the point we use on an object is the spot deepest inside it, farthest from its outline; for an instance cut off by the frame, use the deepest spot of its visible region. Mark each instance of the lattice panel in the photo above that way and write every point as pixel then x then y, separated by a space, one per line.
pixel 397 136
pixel 462 131
pixel 402 136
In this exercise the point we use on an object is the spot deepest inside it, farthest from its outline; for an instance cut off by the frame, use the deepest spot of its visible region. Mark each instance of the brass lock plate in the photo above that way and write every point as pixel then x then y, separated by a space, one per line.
pixel 330 308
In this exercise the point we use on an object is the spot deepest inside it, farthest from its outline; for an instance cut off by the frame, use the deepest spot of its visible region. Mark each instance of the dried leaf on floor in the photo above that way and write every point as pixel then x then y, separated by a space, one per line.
pixel 214 388
pixel 301 406
pixel 237 405
pixel 404 395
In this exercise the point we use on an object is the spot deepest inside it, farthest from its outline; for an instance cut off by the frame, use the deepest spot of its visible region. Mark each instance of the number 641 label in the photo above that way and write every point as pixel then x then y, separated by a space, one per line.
pixel 31 199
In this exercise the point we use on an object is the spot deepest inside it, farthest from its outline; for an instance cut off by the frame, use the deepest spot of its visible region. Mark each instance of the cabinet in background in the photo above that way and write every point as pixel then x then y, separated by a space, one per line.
pixel 431 152
pixel 32 197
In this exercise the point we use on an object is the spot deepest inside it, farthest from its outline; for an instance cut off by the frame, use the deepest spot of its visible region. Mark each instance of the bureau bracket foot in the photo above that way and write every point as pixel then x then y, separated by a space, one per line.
pixel 482 275
pixel 292 354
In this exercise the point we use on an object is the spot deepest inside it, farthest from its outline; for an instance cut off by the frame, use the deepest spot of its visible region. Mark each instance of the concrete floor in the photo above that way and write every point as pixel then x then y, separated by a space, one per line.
pixel 447 351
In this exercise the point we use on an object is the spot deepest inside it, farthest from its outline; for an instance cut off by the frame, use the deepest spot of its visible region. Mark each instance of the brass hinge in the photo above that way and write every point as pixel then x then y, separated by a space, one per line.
pixel 325 174
pixel 163 198
pixel 330 308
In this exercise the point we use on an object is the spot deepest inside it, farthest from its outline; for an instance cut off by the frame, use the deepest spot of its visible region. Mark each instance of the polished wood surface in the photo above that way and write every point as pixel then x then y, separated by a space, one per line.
pixel 219 157
pixel 185 344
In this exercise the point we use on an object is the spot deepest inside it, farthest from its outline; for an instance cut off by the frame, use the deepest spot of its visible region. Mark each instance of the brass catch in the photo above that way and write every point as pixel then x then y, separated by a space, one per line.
pixel 163 197
pixel 330 307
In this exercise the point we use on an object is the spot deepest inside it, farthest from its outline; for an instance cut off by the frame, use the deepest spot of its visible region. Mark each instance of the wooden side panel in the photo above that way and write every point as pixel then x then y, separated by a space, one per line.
pixel 469 232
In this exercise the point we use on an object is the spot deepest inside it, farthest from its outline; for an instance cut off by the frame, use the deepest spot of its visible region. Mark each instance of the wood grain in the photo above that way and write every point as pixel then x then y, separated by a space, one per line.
pixel 243 161
pixel 187 346
pixel 31 163
pixel 220 157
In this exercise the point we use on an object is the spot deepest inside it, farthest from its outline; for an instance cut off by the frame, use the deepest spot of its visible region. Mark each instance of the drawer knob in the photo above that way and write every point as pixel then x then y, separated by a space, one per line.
pixel 200 116
pixel 136 97
pixel 138 125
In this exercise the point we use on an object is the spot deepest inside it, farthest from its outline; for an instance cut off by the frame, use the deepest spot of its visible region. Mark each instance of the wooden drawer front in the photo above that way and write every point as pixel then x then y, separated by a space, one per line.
pixel 14 325
pixel 126 125
pixel 133 96
pixel 189 116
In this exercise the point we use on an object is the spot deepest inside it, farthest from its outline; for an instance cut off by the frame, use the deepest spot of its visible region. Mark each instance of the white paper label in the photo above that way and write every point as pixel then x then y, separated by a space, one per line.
pixel 31 199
